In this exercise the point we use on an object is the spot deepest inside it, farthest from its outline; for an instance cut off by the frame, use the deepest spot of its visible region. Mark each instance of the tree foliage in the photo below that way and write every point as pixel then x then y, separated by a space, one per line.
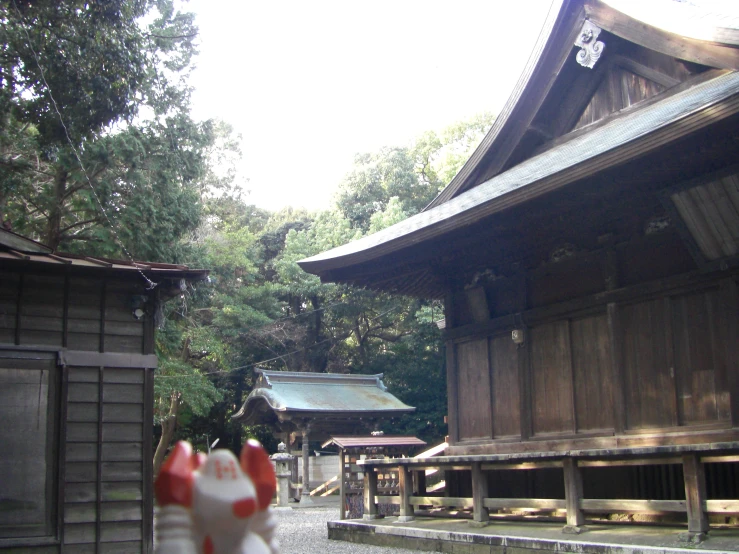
pixel 98 151
pixel 127 170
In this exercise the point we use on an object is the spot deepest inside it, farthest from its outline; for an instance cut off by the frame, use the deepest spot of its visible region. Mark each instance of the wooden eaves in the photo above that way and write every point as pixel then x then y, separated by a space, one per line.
pixel 713 97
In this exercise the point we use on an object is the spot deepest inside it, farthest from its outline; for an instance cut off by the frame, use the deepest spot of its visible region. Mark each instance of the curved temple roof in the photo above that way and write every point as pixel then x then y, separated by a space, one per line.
pixel 531 178
pixel 538 146
pixel 314 394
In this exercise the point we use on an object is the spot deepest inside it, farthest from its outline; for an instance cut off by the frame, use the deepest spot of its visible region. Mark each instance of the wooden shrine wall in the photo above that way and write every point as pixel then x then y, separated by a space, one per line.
pixel 99 357
pixel 614 366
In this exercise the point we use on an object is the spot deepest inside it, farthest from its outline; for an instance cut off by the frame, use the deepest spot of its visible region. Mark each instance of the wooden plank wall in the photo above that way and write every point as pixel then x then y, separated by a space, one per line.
pixel 103 492
pixel 674 368
pixel 32 312
pixel 106 418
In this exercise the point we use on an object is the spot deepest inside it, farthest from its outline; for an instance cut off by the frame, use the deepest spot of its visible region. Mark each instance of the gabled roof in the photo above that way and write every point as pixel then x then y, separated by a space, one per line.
pixel 302 394
pixel 660 32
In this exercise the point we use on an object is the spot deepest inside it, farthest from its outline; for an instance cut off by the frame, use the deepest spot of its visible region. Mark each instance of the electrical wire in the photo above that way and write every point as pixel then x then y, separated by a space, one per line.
pixel 116 237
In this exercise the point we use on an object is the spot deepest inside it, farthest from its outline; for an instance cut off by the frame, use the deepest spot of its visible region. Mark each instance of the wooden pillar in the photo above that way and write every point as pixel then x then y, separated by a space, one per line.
pixel 342 484
pixel 405 488
pixel 480 514
pixel 573 495
pixel 370 492
pixel 695 497
pixel 305 497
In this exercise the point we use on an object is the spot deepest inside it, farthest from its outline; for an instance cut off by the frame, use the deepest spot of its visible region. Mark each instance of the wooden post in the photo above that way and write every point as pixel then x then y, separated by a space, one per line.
pixel 305 498
pixel 480 515
pixel 573 495
pixel 342 484
pixel 405 486
pixel 695 498
pixel 370 492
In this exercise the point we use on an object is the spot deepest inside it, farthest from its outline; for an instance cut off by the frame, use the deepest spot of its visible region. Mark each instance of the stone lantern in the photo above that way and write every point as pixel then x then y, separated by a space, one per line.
pixel 283 462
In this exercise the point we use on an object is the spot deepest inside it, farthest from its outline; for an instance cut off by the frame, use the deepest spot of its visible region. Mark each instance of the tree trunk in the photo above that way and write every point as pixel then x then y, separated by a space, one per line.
pixel 169 424
pixel 54 228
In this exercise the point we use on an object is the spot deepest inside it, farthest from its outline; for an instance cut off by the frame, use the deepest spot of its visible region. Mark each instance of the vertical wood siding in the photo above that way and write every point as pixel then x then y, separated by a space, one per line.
pixel 669 357
pixel 592 373
pixel 103 490
pixel 551 371
pixel 699 329
pixel 104 500
pixel 475 419
pixel 650 396
pixel 505 382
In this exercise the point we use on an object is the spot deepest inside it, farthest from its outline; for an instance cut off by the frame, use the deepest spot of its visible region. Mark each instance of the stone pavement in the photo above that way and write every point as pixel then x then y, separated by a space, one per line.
pixel 304 531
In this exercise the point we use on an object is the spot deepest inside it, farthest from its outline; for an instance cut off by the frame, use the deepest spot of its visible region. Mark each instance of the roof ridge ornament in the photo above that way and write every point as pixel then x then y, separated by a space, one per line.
pixel 591 48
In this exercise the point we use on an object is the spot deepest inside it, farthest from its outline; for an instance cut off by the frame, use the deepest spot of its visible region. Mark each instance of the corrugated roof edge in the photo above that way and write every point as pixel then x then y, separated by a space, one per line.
pixel 20 243
pixel 360 441
pixel 18 248
pixel 321 378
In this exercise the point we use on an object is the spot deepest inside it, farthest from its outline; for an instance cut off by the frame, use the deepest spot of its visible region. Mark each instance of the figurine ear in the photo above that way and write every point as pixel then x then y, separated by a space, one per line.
pixel 255 462
pixel 174 482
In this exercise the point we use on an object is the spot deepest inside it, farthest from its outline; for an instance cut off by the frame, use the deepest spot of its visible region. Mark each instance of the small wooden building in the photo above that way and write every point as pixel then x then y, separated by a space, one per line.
pixel 317 405
pixel 587 257
pixel 76 398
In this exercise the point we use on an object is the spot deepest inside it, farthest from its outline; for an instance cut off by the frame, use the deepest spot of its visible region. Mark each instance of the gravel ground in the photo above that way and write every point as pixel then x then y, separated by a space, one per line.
pixel 303 531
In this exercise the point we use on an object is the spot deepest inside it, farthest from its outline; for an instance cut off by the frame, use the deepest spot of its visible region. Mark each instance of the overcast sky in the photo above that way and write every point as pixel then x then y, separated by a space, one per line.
pixel 310 83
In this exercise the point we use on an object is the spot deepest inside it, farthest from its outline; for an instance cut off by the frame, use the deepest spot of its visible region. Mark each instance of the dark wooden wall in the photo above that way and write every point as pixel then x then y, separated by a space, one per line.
pixel 600 365
pixel 104 414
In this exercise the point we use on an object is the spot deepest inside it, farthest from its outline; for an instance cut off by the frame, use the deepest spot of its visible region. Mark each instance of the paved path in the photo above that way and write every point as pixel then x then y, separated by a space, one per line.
pixel 303 531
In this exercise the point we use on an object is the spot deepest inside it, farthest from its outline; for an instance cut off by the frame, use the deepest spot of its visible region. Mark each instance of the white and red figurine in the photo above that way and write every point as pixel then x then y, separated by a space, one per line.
pixel 216 504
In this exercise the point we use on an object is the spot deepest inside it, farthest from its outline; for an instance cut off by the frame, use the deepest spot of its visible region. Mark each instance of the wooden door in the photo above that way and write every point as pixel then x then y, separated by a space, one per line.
pixel 474 402
pixel 699 338
pixel 505 384
pixel 648 369
pixel 592 373
pixel 551 377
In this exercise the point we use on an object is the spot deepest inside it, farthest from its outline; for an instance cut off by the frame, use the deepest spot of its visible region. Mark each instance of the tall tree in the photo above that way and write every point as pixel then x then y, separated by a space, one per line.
pixel 146 162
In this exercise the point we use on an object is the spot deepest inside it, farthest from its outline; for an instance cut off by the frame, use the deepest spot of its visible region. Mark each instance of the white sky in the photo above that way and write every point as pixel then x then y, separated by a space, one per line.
pixel 308 84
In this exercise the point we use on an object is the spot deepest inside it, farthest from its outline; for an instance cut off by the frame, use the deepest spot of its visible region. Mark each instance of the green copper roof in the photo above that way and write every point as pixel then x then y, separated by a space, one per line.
pixel 321 393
